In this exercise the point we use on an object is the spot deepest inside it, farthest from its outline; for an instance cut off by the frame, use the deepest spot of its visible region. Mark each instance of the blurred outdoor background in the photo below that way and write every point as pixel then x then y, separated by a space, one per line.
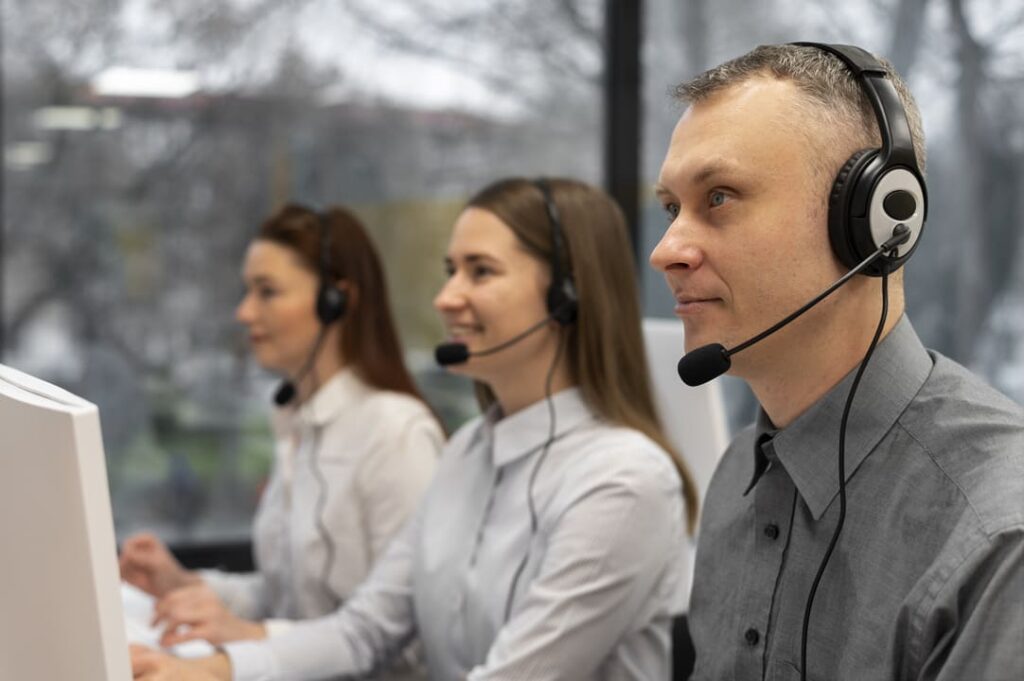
pixel 144 141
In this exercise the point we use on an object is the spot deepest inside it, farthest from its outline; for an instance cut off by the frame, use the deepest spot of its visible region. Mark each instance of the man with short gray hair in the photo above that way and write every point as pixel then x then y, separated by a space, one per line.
pixel 870 524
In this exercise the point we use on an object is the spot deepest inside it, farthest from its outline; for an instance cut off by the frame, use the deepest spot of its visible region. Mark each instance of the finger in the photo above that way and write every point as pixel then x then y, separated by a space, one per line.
pixel 143 668
pixel 169 603
pixel 158 673
pixel 143 538
pixel 131 557
pixel 135 571
pixel 191 602
pixel 145 558
pixel 144 659
pixel 140 581
pixel 139 564
pixel 143 543
pixel 180 614
pixel 192 591
pixel 131 573
pixel 176 606
pixel 176 618
pixel 177 625
pixel 172 637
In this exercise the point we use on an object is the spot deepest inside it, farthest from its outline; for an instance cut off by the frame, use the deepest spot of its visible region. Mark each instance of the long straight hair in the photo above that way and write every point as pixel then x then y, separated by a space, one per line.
pixel 605 348
pixel 368 342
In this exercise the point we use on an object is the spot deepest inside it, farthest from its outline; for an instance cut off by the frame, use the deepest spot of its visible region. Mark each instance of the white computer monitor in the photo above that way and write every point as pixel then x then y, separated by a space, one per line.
pixel 61 614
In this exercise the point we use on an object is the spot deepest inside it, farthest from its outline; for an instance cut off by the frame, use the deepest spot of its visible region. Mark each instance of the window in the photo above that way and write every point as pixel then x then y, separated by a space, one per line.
pixel 964 62
pixel 144 142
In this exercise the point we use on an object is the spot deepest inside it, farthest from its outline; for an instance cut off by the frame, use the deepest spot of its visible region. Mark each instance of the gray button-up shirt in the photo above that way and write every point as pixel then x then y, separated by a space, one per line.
pixel 927 580
pixel 600 578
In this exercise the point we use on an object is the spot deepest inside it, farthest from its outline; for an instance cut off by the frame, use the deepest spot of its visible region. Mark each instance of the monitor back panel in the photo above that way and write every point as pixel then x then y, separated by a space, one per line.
pixel 61 615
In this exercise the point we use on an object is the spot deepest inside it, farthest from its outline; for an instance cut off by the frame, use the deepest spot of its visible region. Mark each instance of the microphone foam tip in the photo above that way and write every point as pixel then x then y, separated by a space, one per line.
pixel 451 353
pixel 707 362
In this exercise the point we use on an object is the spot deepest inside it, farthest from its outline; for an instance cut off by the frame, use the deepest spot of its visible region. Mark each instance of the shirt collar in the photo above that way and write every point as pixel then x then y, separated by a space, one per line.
pixel 764 455
pixel 343 390
pixel 513 437
pixel 809 447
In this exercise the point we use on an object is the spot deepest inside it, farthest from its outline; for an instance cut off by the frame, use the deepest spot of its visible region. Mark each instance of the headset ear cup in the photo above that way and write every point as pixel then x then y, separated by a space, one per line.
pixel 331 302
pixel 840 223
pixel 563 303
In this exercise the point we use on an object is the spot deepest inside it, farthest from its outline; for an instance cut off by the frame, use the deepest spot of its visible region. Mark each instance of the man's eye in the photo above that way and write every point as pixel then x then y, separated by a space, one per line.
pixel 672 210
pixel 717 198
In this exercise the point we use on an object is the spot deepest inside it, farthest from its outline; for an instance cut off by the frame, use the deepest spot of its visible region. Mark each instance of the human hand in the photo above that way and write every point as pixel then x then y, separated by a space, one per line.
pixel 150 665
pixel 195 612
pixel 147 564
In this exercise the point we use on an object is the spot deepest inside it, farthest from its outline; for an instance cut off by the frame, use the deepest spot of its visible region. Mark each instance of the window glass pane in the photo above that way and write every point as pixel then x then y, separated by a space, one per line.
pixel 145 141
pixel 964 62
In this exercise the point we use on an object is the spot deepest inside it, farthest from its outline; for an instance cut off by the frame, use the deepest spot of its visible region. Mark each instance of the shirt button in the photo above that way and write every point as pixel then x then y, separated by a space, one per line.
pixel 771 531
pixel 752 637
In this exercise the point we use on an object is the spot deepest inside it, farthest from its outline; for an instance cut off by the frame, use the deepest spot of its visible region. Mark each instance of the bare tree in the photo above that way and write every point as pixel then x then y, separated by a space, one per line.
pixel 132 236
pixel 907 32
pixel 991 210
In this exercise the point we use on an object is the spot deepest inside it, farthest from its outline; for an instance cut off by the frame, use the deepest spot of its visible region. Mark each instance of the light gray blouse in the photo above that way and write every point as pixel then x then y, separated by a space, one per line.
pixel 601 576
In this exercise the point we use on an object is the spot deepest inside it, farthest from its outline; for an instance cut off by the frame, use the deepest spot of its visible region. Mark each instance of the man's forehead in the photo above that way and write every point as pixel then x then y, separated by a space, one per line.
pixel 755 98
pixel 722 133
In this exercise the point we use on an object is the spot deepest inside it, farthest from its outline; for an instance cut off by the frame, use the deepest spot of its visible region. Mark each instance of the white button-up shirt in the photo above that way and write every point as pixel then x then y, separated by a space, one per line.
pixel 604 571
pixel 353 457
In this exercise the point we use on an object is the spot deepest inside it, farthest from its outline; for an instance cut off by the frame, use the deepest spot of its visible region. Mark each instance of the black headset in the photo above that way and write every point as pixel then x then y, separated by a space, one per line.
pixel 563 305
pixel 876 192
pixel 562 301
pixel 331 301
pixel 876 189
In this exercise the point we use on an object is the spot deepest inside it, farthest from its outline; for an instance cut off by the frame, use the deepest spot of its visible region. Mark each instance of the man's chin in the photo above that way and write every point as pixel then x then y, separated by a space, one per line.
pixel 696 341
pixel 697 336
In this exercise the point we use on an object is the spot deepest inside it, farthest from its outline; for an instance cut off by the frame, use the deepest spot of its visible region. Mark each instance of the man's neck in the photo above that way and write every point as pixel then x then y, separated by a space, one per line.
pixel 797 378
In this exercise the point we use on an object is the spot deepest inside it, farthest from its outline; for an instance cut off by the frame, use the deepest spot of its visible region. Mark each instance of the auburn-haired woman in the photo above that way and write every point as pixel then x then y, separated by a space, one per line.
pixel 356 444
pixel 550 544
